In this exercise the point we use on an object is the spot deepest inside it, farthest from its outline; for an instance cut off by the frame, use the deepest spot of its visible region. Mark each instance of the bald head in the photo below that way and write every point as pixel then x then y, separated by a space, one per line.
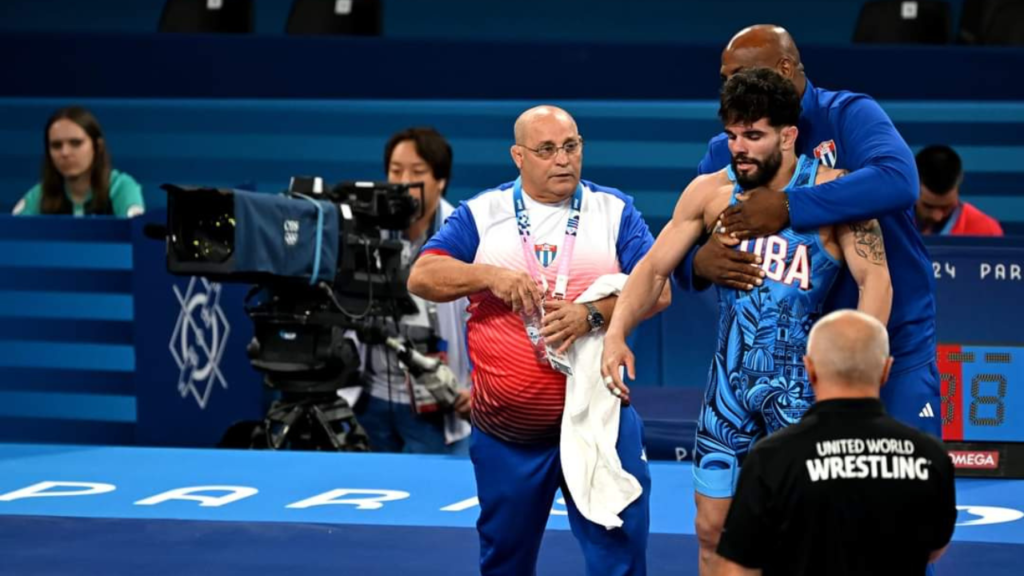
pixel 767 39
pixel 548 152
pixel 764 46
pixel 545 113
pixel 849 348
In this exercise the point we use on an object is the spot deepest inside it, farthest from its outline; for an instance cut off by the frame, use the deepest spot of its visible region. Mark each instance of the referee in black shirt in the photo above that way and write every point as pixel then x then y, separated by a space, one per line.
pixel 848 490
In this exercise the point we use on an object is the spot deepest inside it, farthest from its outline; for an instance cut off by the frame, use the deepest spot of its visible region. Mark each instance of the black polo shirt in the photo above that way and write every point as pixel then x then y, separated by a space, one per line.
pixel 847 490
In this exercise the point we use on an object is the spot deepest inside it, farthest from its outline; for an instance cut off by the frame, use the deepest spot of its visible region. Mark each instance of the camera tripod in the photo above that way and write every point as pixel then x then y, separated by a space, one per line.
pixel 303 421
pixel 321 421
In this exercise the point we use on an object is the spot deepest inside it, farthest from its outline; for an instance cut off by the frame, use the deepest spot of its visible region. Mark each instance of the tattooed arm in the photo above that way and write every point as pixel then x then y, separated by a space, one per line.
pixel 864 252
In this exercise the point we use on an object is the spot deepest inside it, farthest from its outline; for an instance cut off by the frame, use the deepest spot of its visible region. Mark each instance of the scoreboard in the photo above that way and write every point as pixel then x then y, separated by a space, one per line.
pixel 979 285
pixel 982 393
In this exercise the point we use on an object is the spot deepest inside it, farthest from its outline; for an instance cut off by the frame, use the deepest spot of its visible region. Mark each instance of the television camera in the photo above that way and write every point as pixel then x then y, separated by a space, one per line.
pixel 325 275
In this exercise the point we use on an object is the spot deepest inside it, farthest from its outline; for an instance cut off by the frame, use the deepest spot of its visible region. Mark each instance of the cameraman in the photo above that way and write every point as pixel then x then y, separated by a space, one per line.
pixel 399 414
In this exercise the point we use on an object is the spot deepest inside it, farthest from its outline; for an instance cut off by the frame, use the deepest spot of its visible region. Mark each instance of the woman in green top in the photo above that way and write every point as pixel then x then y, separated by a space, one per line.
pixel 77 178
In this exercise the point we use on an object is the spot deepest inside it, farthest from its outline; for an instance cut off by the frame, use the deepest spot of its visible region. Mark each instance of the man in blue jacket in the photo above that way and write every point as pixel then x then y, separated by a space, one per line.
pixel 848 131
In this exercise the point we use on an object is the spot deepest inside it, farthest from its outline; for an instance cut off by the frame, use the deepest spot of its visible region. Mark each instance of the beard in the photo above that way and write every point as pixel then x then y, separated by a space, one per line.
pixel 763 173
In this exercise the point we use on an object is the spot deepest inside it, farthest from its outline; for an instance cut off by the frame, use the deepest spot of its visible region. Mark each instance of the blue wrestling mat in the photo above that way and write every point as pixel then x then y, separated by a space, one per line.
pixel 114 511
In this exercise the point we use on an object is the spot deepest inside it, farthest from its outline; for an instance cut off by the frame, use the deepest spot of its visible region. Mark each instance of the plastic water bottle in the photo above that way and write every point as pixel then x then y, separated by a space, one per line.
pixel 533 326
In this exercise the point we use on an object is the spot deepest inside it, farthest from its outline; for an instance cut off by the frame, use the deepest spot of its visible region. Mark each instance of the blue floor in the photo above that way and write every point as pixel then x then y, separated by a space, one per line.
pixel 296 512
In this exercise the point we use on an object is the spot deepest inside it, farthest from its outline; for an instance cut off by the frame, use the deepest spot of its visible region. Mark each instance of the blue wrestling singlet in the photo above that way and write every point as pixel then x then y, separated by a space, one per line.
pixel 757 383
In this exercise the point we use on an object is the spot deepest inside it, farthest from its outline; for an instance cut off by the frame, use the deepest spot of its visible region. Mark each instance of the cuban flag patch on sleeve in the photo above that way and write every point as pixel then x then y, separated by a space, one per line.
pixel 826 153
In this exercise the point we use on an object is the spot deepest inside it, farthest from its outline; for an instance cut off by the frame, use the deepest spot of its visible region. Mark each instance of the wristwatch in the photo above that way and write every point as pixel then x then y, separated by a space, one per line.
pixel 594 317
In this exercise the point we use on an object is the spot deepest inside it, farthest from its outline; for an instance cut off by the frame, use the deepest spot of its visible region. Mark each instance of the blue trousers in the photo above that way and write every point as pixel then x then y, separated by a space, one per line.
pixel 392 427
pixel 905 396
pixel 516 485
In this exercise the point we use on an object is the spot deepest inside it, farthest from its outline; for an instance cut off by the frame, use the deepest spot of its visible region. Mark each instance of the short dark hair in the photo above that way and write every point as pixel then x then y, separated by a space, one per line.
pixel 940 168
pixel 430 145
pixel 758 93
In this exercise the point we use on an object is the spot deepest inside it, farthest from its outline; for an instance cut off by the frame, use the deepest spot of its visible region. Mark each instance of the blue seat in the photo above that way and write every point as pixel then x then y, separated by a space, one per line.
pixel 207 17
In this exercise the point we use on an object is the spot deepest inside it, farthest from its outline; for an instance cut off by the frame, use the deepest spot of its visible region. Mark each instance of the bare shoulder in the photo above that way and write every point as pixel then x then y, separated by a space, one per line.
pixel 708 183
pixel 705 194
pixel 709 195
pixel 826 174
pixel 710 188
pixel 697 191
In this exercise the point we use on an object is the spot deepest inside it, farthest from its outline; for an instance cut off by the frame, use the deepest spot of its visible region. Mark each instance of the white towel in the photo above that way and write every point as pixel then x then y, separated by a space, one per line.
pixel 593 473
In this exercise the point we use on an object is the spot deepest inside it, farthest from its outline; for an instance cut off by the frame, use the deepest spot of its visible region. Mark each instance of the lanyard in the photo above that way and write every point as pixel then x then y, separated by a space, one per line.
pixel 568 245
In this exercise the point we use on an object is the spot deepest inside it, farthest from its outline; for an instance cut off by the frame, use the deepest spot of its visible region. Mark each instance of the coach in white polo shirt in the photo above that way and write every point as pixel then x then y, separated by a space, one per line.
pixel 540 240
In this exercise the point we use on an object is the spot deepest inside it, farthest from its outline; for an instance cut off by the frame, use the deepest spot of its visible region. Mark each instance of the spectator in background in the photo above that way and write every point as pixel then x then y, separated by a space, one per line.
pixel 400 414
pixel 77 176
pixel 939 209
pixel 848 490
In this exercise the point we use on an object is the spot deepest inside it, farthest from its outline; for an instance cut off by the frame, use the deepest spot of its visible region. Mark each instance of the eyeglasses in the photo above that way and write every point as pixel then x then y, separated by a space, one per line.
pixel 549 151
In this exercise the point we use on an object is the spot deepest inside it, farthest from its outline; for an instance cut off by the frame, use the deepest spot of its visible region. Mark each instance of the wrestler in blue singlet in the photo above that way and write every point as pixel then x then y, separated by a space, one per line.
pixel 757 383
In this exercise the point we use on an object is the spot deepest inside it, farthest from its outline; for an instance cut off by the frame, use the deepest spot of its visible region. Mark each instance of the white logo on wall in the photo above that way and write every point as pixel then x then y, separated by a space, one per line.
pixel 291 232
pixel 199 339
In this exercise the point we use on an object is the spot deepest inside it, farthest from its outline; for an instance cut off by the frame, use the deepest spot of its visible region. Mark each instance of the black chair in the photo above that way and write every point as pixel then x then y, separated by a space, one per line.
pixel 897 22
pixel 207 17
pixel 335 17
pixel 992 22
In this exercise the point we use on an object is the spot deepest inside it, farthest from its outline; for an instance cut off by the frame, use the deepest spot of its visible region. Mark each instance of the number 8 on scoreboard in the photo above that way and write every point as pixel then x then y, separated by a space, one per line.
pixel 982 399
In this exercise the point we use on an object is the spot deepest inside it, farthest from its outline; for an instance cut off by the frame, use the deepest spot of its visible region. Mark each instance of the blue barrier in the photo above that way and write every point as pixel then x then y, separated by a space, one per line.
pixel 190 66
pixel 648 149
pixel 67 356
pixel 639 21
pixel 99 344
pixel 146 377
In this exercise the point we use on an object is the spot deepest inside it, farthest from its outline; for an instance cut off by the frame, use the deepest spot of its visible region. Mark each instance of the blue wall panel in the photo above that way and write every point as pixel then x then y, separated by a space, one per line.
pixel 67 431
pixel 68 406
pixel 116 65
pixel 640 21
pixel 79 380
pixel 67 356
pixel 649 150
pixel 63 380
pixel 57 305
